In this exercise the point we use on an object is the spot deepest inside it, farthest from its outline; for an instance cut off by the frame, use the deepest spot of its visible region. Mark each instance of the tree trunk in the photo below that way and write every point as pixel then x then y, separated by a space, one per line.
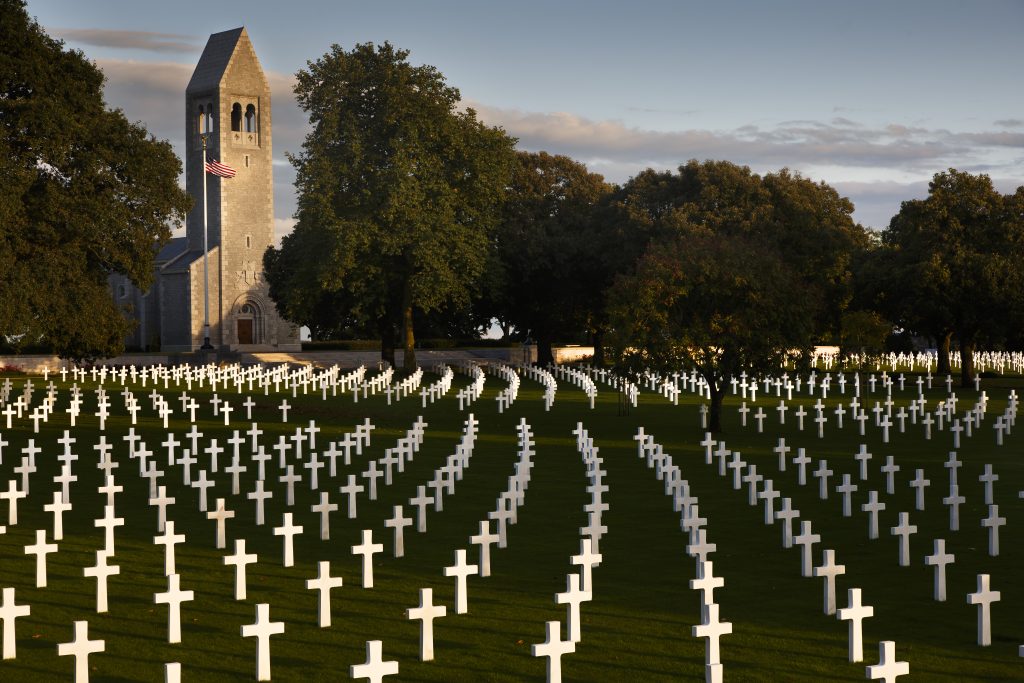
pixel 409 340
pixel 967 362
pixel 387 340
pixel 715 413
pixel 598 348
pixel 943 366
pixel 544 355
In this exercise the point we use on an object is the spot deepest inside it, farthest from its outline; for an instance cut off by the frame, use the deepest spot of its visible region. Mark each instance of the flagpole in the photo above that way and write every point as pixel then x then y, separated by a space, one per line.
pixel 206 271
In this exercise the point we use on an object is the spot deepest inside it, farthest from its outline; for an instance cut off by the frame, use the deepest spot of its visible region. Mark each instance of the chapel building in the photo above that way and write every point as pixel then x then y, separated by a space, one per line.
pixel 227 101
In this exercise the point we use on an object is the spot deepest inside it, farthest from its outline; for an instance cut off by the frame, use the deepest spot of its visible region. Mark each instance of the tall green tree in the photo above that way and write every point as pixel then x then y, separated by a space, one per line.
pixel 85 193
pixel 955 263
pixel 399 190
pixel 546 263
pixel 741 275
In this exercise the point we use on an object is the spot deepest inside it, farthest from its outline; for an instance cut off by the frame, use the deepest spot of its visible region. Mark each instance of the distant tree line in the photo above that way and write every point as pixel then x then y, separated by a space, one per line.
pixel 414 215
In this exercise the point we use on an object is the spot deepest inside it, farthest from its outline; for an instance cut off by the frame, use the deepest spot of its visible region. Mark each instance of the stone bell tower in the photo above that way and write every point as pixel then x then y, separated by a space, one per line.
pixel 227 104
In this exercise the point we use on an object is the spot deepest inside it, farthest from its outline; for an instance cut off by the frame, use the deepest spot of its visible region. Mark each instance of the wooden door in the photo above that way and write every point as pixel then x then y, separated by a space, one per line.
pixel 245 331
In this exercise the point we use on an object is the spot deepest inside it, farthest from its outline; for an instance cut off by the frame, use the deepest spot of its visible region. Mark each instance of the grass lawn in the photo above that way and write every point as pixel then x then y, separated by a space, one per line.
pixel 638 626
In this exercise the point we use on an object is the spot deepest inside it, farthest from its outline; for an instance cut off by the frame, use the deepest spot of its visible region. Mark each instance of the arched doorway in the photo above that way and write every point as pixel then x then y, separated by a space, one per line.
pixel 249 324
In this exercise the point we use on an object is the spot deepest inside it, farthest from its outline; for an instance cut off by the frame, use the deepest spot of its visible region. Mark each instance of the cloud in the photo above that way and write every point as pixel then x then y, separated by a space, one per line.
pixel 1009 123
pixel 282 226
pixel 843 145
pixel 128 40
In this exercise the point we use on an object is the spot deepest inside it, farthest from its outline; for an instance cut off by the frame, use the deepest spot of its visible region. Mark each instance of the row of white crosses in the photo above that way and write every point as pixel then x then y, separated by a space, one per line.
pixel 579 378
pixel 698 547
pixel 426 612
pixel 507 396
pixel 742 473
pixel 539 374
pixel 439 387
pixel 375 668
pixel 376 384
pixel 405 387
pixel 999 361
pixel 174 596
pixel 622 384
pixel 579 586
pixel 475 389
pixel 903 530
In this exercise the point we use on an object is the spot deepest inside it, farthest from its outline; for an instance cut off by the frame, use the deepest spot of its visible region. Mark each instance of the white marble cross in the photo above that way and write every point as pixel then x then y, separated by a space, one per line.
pixel 855 613
pixel 169 539
pixel 847 489
pixel 221 515
pixel 993 522
pixel 398 522
pixel 161 501
pixel 988 478
pixel 890 468
pixel 862 456
pixel 289 531
pixel 553 648
pixel 80 648
pixel 572 597
pixel 262 630
pixel 706 584
pixel 101 571
pixel 351 490
pixel 919 484
pixel 983 598
pixel 801 460
pixel 485 539
pixel 887 668
pixel 806 540
pixel 58 507
pixel 9 611
pixel 872 507
pixel 940 558
pixel 460 570
pixel 904 529
pixel 787 514
pixel 426 612
pixel 240 559
pixel 713 630
pixel 367 549
pixel 173 597
pixel 325 508
pixel 375 668
pixel 822 474
pixel 323 583
pixel 954 500
pixel 587 560
pixel 829 570
pixel 41 549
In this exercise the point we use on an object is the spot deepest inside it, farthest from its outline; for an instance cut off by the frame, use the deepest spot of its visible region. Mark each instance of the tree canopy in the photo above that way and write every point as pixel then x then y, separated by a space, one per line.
pixel 742 273
pixel 546 267
pixel 399 193
pixel 85 194
pixel 953 263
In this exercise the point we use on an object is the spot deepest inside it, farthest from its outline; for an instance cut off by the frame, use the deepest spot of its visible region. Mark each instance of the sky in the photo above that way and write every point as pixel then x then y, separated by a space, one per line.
pixel 871 97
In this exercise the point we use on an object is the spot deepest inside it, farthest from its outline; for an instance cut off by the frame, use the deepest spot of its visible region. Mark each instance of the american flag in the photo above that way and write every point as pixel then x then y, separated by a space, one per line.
pixel 218 169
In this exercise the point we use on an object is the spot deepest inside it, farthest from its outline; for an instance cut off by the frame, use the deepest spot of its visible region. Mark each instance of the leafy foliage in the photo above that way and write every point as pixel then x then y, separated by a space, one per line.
pixel 398 192
pixel 85 194
pixel 953 261
pixel 743 272
pixel 547 272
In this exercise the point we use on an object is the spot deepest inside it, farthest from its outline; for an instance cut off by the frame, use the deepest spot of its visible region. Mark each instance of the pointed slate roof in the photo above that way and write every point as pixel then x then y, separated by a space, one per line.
pixel 214 61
